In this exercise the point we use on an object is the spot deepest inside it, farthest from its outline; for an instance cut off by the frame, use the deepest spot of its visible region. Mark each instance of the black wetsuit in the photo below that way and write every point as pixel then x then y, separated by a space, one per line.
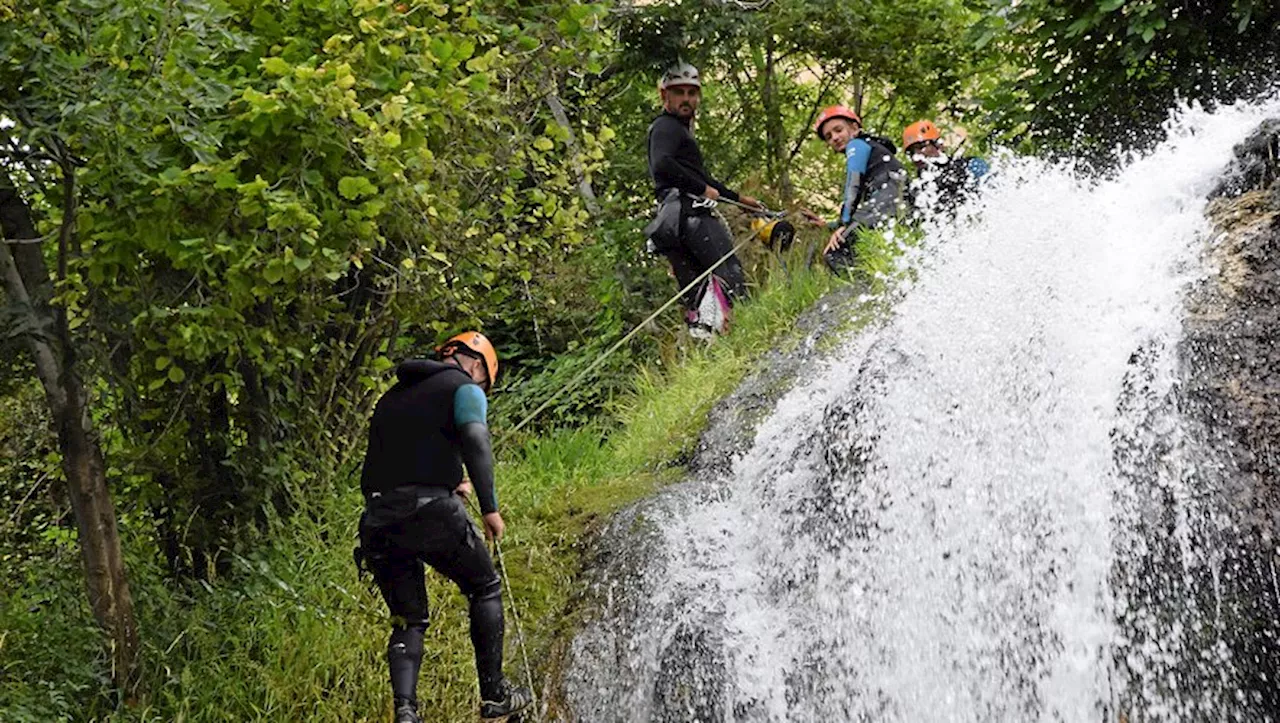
pixel 872 191
pixel 419 441
pixel 941 188
pixel 676 166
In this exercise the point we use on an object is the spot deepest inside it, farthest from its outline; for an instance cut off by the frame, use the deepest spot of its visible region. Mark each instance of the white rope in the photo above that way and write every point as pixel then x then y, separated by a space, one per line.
pixel 515 618
pixel 600 359
pixel 497 547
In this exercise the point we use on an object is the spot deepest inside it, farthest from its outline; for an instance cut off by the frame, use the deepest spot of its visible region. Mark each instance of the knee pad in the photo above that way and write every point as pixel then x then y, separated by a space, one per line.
pixel 491 590
pixel 406 640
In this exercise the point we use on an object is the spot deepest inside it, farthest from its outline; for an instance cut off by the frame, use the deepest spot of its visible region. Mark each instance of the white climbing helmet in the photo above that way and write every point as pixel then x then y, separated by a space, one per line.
pixel 680 74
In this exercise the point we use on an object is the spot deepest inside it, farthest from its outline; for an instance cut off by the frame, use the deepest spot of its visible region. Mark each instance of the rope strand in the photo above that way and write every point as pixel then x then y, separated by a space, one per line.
pixel 497 547
pixel 600 359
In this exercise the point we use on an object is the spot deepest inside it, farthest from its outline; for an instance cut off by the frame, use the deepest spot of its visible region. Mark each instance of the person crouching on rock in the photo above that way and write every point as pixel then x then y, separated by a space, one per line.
pixel 873 183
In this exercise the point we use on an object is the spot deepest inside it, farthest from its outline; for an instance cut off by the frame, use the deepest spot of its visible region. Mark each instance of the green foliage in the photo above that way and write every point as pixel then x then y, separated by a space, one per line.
pixel 31 517
pixel 292 634
pixel 1081 76
pixel 767 72
pixel 51 663
pixel 622 286
pixel 268 197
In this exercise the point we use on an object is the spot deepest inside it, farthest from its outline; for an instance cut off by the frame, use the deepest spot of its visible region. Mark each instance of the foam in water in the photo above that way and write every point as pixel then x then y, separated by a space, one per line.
pixel 933 526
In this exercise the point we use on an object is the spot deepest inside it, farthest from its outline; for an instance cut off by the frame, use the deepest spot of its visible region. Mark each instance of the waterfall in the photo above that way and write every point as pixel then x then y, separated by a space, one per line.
pixel 989 504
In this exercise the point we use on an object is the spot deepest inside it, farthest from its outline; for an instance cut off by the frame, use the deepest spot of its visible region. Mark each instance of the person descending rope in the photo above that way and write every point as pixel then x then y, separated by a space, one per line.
pixel 942 183
pixel 685 229
pixel 424 430
pixel 873 182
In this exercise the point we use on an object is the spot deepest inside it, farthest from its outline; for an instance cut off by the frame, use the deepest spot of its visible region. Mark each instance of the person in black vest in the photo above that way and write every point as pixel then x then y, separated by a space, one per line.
pixel 942 182
pixel 698 238
pixel 873 182
pixel 424 430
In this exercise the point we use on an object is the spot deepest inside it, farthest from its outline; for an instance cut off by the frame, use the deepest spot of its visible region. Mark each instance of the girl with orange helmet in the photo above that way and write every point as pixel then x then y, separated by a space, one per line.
pixel 873 181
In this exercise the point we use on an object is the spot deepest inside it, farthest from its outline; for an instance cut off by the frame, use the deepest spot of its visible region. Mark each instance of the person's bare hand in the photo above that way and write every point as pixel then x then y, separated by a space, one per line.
pixel 464 489
pixel 832 243
pixel 751 201
pixel 710 193
pixel 494 526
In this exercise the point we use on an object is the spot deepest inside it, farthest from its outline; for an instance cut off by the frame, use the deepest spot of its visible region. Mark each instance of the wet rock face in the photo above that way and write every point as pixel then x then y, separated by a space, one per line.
pixel 733 420
pixel 1232 345
pixel 1256 167
pixel 1230 358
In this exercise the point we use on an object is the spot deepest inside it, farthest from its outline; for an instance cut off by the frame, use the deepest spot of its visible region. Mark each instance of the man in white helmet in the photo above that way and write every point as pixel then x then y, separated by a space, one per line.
pixel 698 238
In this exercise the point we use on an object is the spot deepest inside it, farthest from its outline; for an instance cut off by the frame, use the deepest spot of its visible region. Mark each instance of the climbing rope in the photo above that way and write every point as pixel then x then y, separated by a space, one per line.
pixel 510 434
pixel 497 546
pixel 501 564
pixel 515 618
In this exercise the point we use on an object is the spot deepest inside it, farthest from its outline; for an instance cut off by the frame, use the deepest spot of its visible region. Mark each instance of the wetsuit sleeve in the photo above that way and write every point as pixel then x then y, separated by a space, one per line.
pixel 978 168
pixel 664 155
pixel 857 155
pixel 469 411
pixel 724 190
pixel 664 145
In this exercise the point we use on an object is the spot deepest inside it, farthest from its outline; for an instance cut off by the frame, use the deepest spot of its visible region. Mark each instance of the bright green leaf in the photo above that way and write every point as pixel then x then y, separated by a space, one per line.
pixel 276 66
pixel 353 187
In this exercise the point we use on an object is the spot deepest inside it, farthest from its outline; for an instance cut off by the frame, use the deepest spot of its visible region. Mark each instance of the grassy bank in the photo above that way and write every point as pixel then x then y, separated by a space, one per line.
pixel 297 636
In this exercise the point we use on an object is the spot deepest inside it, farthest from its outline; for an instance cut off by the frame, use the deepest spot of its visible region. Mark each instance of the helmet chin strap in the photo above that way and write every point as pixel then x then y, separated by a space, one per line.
pixel 457 358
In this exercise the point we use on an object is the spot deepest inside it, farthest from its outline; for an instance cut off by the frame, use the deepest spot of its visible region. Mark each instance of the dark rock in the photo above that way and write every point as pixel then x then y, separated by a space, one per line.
pixel 1257 165
pixel 1229 396
pixel 692 679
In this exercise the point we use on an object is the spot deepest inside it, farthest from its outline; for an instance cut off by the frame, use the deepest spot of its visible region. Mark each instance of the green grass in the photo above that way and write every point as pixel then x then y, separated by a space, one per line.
pixel 296 636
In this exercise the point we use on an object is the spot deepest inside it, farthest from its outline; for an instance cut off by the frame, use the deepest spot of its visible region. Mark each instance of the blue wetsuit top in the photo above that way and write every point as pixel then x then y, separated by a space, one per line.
pixel 857 154
pixel 469 405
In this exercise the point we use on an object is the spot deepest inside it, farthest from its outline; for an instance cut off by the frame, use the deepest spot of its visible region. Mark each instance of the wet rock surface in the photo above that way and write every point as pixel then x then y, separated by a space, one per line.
pixel 1232 344
pixel 1228 396
pixel 1231 364
pixel 732 420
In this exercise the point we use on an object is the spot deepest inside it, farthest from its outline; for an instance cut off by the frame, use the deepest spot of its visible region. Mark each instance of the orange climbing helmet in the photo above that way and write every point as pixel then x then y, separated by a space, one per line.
pixel 919 132
pixel 476 344
pixel 834 111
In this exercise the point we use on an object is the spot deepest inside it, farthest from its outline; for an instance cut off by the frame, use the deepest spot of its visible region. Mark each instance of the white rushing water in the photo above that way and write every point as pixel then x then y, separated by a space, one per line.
pixel 932 525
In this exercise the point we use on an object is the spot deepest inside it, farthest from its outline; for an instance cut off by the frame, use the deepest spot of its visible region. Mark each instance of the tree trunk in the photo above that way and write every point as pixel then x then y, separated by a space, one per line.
pixel 779 161
pixel 29 287
pixel 584 184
